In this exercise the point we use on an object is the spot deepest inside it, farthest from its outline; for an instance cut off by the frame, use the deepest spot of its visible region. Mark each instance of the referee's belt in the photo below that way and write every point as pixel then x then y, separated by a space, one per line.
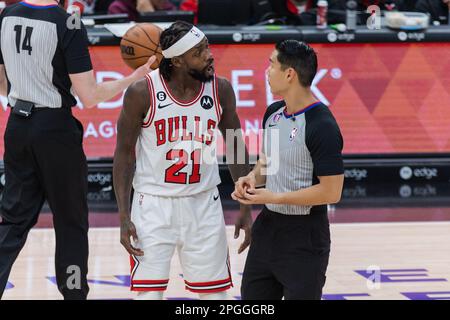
pixel 38 107
pixel 26 108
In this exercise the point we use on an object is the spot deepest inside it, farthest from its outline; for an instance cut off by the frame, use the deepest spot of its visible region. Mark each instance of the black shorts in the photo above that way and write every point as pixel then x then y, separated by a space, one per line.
pixel 288 257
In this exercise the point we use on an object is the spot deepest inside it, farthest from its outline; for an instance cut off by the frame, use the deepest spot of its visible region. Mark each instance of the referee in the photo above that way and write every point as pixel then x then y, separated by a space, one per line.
pixel 42 58
pixel 290 246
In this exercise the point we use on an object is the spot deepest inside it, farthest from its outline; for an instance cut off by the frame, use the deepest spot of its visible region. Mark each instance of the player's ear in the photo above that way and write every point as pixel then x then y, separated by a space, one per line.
pixel 176 61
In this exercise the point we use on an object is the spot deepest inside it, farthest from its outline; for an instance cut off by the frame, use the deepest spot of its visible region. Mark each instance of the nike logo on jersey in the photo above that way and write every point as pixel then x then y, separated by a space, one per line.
pixel 161 106
pixel 272 125
pixel 215 198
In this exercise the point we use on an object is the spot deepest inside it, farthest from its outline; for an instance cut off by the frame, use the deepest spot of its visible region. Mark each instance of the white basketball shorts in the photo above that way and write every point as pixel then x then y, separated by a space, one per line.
pixel 195 226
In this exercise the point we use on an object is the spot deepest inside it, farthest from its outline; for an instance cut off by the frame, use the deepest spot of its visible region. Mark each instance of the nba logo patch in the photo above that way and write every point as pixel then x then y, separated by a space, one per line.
pixel 277 118
pixel 293 134
pixel 141 199
pixel 195 33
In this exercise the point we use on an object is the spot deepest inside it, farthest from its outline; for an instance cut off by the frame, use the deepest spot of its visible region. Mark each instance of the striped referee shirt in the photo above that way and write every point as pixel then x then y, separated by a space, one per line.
pixel 39 52
pixel 305 145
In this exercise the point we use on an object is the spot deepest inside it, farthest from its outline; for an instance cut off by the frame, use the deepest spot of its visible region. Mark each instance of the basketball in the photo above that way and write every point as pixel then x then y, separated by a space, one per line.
pixel 139 43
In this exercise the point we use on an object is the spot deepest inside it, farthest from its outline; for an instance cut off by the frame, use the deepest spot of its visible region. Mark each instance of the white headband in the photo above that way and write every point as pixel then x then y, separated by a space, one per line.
pixel 187 42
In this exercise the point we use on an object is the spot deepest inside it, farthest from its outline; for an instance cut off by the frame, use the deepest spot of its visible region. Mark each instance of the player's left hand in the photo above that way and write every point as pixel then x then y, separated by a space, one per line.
pixel 258 196
pixel 244 222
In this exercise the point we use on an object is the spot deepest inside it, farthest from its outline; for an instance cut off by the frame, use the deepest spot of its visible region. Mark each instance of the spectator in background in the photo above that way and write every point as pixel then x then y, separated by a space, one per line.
pixel 86 6
pixel 162 5
pixel 101 6
pixel 284 9
pixel 337 9
pixel 125 6
pixel 134 7
pixel 438 9
pixel 407 5
pixel 190 5
pixel 336 12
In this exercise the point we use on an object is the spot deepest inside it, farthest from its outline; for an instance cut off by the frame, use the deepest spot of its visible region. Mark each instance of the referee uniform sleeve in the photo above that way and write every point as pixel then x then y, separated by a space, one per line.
pixel 325 143
pixel 76 50
pixel 1 55
pixel 1 21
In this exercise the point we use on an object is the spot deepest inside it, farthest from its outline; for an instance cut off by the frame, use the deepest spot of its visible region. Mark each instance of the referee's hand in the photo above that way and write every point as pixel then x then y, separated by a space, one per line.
pixel 242 185
pixel 140 72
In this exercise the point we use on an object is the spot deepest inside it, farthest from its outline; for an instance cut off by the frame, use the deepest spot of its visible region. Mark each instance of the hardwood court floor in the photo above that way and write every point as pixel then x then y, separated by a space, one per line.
pixel 414 259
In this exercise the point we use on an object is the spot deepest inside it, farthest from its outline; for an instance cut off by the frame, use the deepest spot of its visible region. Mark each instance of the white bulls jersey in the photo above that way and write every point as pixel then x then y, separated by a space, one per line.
pixel 176 150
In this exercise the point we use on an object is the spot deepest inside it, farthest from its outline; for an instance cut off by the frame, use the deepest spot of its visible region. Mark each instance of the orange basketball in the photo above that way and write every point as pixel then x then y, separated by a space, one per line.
pixel 139 43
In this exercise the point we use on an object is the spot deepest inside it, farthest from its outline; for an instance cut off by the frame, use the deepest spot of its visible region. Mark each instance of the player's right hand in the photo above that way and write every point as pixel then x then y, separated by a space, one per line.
pixel 127 231
pixel 242 185
pixel 140 72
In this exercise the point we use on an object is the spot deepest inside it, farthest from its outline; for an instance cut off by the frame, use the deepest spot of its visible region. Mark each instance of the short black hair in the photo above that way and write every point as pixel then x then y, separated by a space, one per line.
pixel 299 56
pixel 168 37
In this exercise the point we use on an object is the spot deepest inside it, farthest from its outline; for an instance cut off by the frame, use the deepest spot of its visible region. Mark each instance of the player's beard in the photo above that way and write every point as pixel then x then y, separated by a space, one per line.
pixel 201 76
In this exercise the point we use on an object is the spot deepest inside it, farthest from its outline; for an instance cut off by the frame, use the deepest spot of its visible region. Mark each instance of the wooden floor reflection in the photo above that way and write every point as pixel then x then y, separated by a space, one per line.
pixel 405 261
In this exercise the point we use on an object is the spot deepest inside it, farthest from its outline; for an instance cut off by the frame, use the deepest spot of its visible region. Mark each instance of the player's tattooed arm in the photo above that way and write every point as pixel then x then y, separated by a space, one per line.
pixel 135 106
pixel 236 153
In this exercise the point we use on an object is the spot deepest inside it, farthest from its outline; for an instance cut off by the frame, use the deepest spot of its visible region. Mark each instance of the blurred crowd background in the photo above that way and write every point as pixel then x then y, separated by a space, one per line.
pixel 263 12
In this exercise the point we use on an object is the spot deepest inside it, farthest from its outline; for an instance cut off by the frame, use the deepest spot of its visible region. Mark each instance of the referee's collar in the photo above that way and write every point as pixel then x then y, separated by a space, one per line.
pixel 287 115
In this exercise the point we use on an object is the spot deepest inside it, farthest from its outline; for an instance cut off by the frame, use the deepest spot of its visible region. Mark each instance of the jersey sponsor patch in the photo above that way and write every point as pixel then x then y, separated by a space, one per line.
pixel 206 102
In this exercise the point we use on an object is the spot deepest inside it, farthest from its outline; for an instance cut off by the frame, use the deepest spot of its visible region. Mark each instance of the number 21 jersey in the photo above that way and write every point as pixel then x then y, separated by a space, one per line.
pixel 176 149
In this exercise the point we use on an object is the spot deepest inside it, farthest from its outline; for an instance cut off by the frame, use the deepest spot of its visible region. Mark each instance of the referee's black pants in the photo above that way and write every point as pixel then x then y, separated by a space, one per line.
pixel 288 257
pixel 44 160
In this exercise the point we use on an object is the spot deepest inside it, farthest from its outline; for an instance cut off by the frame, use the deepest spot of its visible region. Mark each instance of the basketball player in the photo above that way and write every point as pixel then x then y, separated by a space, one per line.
pixel 288 256
pixel 170 120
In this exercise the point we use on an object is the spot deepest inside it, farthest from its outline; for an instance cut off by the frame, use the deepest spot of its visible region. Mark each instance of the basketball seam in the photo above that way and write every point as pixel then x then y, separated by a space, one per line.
pixel 136 58
pixel 151 40
pixel 140 45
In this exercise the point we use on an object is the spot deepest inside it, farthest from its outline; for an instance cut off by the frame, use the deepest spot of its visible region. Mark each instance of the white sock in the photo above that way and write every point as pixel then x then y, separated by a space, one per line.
pixel 214 296
pixel 150 295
